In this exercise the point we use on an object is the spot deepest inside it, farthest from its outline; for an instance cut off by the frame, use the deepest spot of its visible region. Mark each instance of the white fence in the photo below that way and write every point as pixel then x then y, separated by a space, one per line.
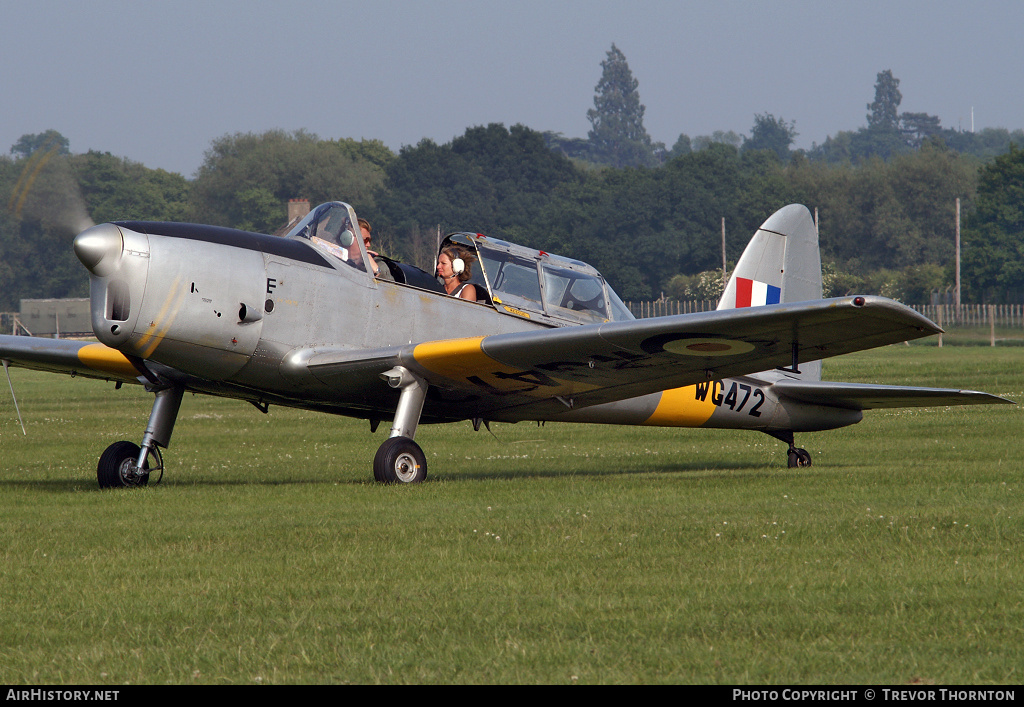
pixel 973 315
pixel 665 307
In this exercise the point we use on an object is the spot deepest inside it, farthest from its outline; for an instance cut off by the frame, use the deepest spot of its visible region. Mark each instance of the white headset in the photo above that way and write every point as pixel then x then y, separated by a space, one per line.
pixel 458 266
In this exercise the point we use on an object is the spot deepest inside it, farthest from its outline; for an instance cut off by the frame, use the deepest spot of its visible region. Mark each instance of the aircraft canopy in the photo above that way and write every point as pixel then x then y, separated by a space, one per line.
pixel 562 290
pixel 515 279
pixel 334 227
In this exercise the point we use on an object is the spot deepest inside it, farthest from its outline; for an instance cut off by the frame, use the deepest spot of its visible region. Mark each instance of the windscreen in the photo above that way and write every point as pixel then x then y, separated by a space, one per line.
pixel 333 226
pixel 512 279
pixel 573 294
pixel 528 282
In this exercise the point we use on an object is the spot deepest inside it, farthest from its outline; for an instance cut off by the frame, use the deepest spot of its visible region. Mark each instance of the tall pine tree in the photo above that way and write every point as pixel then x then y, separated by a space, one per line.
pixel 885 110
pixel 882 137
pixel 618 137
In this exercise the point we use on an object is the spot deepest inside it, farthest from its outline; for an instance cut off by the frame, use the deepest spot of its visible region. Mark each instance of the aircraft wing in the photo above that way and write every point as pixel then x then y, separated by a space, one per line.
pixel 82 358
pixel 858 396
pixel 532 374
pixel 525 374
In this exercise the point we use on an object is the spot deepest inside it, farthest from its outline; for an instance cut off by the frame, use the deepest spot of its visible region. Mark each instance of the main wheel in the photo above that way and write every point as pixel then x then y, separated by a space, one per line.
pixel 799 458
pixel 400 461
pixel 117 466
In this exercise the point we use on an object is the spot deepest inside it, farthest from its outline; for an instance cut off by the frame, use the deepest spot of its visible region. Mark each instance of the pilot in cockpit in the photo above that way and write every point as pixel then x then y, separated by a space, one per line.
pixel 380 270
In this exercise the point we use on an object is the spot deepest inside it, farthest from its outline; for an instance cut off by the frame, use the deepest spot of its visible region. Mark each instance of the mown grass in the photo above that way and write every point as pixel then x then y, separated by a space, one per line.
pixel 553 554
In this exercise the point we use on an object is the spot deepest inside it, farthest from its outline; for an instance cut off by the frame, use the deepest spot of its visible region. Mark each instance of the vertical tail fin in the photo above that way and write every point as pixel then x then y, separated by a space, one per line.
pixel 780 264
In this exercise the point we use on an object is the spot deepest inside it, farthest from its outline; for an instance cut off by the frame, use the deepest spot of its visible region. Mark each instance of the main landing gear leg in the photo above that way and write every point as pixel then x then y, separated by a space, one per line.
pixel 126 463
pixel 400 460
pixel 797 457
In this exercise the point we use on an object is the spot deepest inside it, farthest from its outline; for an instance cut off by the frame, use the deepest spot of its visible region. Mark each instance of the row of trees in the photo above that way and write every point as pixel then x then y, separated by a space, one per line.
pixel 618 137
pixel 887 224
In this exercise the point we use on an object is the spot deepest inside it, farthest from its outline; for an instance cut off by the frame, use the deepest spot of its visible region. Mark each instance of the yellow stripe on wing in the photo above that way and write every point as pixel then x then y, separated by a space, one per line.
pixel 103 358
pixel 458 358
pixel 464 360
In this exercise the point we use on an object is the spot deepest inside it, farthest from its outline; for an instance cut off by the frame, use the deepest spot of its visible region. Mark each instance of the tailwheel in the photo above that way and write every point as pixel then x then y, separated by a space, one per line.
pixel 118 466
pixel 799 457
pixel 400 461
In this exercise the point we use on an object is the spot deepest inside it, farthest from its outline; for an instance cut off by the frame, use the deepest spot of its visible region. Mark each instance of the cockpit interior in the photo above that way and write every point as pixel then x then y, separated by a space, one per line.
pixel 511 278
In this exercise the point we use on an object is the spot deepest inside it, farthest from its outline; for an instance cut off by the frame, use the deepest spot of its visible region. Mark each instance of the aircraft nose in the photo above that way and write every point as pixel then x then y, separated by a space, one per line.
pixel 99 248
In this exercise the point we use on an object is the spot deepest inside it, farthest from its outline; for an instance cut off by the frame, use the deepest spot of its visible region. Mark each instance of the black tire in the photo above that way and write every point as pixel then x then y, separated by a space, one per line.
pixel 117 467
pixel 400 461
pixel 799 458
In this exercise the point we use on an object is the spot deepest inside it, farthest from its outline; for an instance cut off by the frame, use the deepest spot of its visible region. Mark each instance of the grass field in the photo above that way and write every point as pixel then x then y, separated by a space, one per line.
pixel 555 554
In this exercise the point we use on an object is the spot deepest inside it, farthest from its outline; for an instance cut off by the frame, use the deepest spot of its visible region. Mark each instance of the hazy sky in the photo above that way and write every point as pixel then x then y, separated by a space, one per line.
pixel 156 82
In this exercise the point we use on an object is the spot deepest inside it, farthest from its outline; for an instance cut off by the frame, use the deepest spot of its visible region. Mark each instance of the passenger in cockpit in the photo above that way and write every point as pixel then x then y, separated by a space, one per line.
pixel 454 268
pixel 381 271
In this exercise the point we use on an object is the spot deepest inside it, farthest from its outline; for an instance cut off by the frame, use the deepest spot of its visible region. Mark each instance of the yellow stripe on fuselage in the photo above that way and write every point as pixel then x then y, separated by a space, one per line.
pixel 681 407
pixel 103 358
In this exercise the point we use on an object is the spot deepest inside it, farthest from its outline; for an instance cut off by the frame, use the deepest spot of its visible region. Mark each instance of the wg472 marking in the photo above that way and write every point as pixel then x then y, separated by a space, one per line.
pixel 732 398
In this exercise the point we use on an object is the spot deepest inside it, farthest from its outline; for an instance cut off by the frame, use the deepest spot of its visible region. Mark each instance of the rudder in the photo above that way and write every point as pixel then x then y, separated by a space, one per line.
pixel 781 264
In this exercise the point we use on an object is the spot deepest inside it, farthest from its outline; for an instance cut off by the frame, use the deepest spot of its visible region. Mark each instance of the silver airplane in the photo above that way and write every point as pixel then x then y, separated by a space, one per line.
pixel 301 321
